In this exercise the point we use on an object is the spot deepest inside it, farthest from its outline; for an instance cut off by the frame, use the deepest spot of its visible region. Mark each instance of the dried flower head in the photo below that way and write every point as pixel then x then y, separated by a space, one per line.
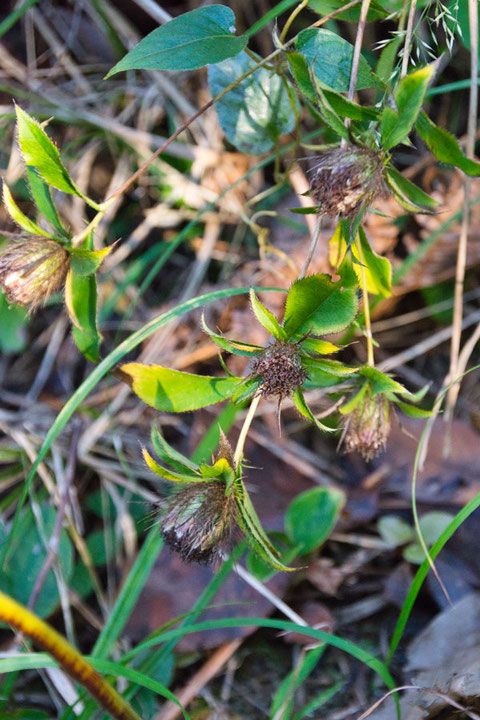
pixel 280 368
pixel 368 426
pixel 199 521
pixel 346 179
pixel 31 270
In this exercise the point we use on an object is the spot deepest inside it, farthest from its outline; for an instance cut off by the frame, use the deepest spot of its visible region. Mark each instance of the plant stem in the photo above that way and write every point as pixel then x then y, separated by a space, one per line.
pixel 312 248
pixel 366 310
pixel 292 17
pixel 463 240
pixel 357 49
pixel 408 38
pixel 245 428
pixel 24 621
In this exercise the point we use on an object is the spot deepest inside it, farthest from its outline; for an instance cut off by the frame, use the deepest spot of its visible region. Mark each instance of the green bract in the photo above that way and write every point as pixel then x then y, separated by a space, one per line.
pixel 200 519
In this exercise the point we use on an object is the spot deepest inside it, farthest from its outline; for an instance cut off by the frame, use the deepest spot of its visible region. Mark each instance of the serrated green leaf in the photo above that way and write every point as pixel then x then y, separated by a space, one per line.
pixel 255 113
pixel 302 407
pixel 17 215
pixel 319 347
pixel 43 200
pixel 354 401
pixel 169 474
pixel 331 59
pixel 311 517
pixel 317 305
pixel 412 411
pixel 81 303
pixel 409 195
pixel 254 532
pixel 176 391
pixel 192 40
pixel 444 146
pixel 378 270
pixel 86 262
pixel 39 152
pixel 232 346
pixel 266 318
pixel 168 453
pixel 395 125
pixel 380 382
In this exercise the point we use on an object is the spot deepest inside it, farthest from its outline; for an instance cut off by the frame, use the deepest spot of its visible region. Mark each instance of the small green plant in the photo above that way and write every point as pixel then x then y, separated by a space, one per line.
pixel 258 101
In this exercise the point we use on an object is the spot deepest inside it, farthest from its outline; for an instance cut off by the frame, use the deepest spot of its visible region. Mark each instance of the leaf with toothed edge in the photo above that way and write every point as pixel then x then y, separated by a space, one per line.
pixel 266 318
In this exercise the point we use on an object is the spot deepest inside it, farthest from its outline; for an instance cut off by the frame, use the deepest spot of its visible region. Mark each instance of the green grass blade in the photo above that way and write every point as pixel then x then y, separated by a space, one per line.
pixel 422 571
pixel 11 19
pixel 128 595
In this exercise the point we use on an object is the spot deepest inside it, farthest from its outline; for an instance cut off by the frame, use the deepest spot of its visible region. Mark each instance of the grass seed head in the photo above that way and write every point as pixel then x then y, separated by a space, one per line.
pixel 31 270
pixel 347 179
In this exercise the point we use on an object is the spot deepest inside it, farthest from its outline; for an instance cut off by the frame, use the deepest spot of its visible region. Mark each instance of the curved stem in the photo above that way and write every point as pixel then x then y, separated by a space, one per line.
pixel 245 428
pixel 292 17
pixel 312 248
pixel 408 38
pixel 24 621
pixel 366 309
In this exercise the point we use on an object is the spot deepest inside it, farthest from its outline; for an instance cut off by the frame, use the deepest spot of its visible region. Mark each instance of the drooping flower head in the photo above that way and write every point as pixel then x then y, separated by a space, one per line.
pixel 347 179
pixel 31 270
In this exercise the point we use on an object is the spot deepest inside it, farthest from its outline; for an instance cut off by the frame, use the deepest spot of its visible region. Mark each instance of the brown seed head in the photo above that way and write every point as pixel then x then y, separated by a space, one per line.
pixel 346 179
pixel 32 269
pixel 281 369
pixel 199 521
pixel 368 426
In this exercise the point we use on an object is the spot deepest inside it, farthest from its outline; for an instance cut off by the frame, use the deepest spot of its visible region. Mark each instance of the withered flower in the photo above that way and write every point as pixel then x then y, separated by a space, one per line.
pixel 346 179
pixel 199 521
pixel 367 427
pixel 31 270
pixel 280 369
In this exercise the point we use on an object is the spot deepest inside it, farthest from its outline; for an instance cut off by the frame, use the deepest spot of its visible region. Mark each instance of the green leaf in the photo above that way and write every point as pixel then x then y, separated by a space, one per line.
pixel 378 270
pixel 28 558
pixel 412 411
pixel 43 200
pixel 168 454
pixel 444 146
pixel 282 705
pixel 303 409
pixel 395 531
pixel 255 113
pixel 40 152
pixel 328 114
pixel 253 529
pixel 262 570
pixel 386 62
pixel 395 126
pixel 81 303
pixel 432 525
pixel 380 382
pixel 87 262
pixel 13 321
pixel 317 305
pixel 312 515
pixel 189 41
pixel 324 7
pixel 409 195
pixel 17 215
pixel 169 474
pixel 325 373
pixel 331 59
pixel 232 346
pixel 176 391
pixel 319 347
pixel 266 318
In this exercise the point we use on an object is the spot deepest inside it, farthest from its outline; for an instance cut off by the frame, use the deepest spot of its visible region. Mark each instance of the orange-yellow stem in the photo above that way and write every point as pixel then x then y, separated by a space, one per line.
pixel 26 622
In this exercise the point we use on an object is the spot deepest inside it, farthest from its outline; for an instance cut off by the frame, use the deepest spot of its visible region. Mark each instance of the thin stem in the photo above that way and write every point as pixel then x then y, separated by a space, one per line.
pixel 244 431
pixel 292 17
pixel 463 240
pixel 356 57
pixel 408 38
pixel 313 247
pixel 366 309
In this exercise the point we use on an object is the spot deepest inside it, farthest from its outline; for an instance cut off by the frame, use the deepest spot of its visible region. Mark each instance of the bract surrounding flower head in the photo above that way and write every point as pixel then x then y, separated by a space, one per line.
pixel 368 426
pixel 347 179
pixel 31 270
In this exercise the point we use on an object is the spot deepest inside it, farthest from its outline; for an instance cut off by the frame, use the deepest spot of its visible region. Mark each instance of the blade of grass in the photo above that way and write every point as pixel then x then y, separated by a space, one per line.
pixel 11 19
